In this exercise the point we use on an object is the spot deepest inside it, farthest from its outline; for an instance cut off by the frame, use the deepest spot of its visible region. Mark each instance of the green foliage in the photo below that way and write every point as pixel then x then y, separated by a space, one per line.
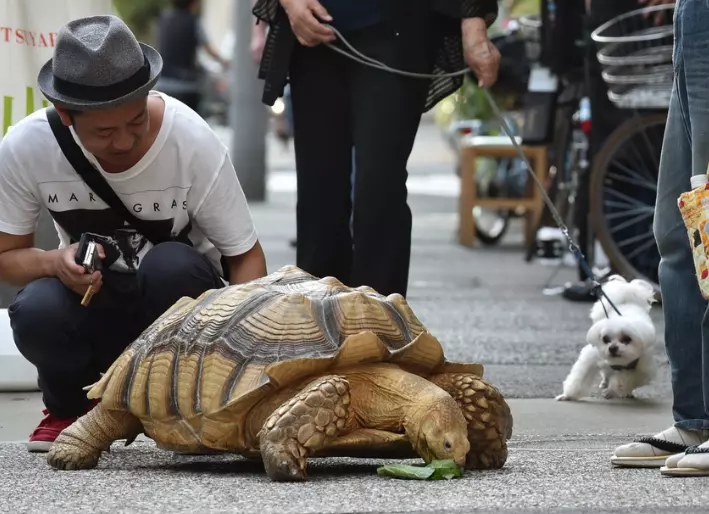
pixel 435 470
pixel 471 103
pixel 522 7
pixel 139 14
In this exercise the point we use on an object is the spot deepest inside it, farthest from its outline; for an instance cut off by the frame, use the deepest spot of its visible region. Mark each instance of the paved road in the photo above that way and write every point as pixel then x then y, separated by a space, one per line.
pixel 558 460
pixel 484 304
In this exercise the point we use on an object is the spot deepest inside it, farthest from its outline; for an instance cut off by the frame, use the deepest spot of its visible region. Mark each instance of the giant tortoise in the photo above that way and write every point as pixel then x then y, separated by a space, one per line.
pixel 288 367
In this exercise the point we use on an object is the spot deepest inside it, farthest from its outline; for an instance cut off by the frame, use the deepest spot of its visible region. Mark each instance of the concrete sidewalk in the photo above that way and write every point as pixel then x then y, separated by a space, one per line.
pixel 485 305
pixel 558 461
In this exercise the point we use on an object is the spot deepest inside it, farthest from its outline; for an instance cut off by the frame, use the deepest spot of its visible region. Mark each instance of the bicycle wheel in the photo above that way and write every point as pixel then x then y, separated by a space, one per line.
pixel 623 192
pixel 491 224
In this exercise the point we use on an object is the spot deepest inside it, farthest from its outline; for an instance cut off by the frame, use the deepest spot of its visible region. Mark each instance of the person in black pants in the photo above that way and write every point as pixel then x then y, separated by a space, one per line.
pixel 339 104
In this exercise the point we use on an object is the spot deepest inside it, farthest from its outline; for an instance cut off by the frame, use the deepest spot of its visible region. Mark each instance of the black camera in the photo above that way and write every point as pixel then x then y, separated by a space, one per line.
pixel 87 252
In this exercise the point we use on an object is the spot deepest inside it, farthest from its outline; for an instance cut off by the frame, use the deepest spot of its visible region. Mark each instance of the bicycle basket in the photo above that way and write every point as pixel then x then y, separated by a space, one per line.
pixel 635 51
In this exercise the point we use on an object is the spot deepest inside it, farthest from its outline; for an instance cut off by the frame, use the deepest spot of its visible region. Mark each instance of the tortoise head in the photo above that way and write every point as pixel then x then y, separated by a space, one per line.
pixel 442 432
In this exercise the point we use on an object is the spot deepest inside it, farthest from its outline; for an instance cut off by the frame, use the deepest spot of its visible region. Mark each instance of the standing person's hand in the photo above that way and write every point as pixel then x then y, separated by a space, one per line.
pixel 652 3
pixel 307 28
pixel 74 276
pixel 481 55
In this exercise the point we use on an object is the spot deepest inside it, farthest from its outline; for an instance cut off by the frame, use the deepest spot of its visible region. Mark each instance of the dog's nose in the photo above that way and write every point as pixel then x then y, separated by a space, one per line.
pixel 613 349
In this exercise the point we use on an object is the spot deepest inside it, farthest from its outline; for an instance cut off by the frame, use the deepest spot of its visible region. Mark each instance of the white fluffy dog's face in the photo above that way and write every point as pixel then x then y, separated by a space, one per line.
pixel 619 341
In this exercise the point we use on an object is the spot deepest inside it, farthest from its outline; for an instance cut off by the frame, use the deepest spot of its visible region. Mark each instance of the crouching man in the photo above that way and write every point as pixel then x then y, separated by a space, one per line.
pixel 146 178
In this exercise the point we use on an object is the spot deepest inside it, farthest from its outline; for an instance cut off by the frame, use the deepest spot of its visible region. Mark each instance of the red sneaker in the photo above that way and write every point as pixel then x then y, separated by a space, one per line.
pixel 42 438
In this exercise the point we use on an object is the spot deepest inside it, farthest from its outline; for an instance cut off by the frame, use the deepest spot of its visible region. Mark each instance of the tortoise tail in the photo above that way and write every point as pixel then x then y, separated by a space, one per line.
pixel 97 389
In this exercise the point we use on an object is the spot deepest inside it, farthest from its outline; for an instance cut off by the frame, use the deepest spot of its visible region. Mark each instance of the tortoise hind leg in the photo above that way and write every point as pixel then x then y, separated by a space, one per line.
pixel 79 446
pixel 304 424
pixel 488 416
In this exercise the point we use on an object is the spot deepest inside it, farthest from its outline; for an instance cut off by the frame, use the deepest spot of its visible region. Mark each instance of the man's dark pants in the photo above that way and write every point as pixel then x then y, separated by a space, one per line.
pixel 338 104
pixel 71 345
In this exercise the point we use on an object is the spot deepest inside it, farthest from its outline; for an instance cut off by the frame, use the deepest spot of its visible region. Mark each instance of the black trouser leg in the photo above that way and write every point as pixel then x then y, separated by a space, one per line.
pixel 323 150
pixel 170 271
pixel 66 341
pixel 70 345
pixel 386 112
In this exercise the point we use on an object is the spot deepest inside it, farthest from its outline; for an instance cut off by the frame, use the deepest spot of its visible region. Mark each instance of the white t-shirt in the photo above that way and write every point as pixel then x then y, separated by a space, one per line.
pixel 186 179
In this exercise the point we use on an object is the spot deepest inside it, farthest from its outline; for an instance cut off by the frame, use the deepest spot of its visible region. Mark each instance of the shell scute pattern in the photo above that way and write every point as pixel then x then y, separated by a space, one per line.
pixel 204 353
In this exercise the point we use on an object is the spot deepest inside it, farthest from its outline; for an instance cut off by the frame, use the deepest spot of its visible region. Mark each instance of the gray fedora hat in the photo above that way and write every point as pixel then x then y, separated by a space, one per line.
pixel 98 63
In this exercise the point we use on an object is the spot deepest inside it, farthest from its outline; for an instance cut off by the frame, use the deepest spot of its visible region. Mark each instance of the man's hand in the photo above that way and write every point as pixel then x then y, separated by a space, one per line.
pixel 73 275
pixel 308 30
pixel 480 54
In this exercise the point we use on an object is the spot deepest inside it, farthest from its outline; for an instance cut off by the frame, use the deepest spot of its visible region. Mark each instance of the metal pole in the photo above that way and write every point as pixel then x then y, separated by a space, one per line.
pixel 247 115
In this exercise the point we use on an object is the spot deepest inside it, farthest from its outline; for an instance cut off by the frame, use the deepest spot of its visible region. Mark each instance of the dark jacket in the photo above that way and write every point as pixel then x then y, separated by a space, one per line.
pixel 281 40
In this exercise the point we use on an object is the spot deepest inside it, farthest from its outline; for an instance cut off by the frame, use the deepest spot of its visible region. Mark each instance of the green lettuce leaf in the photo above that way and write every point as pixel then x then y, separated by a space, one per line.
pixel 435 470
pixel 445 469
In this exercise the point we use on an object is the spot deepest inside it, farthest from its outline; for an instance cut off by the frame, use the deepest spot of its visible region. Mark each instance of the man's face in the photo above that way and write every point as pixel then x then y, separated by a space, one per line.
pixel 113 135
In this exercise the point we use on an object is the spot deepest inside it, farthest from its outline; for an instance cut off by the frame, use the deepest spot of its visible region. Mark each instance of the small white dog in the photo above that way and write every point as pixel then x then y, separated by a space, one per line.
pixel 617 346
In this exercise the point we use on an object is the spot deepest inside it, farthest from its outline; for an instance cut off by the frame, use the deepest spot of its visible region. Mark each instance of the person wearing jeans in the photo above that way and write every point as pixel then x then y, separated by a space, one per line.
pixel 685 152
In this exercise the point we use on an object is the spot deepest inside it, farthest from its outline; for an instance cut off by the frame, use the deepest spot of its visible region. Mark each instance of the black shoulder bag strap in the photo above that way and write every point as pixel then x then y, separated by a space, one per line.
pixel 93 177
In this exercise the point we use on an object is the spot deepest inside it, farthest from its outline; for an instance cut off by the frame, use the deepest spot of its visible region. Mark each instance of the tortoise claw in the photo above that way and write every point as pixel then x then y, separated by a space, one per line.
pixel 69 457
pixel 282 465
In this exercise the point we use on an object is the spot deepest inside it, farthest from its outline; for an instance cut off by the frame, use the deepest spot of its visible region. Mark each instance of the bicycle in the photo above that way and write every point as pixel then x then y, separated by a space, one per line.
pixel 635 49
pixel 568 157
pixel 506 178
pixel 635 57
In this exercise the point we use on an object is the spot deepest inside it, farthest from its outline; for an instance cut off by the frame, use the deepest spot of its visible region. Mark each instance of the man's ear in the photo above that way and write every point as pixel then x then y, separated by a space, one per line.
pixel 64 116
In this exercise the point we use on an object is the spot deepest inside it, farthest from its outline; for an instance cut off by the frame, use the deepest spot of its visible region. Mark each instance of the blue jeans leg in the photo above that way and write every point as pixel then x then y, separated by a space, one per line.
pixel 685 152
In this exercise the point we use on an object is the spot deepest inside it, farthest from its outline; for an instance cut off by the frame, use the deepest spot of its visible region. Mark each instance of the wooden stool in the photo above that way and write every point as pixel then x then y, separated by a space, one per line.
pixel 498 147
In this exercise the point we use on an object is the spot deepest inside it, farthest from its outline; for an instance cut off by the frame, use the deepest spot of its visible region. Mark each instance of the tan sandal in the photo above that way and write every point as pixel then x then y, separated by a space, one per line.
pixel 694 462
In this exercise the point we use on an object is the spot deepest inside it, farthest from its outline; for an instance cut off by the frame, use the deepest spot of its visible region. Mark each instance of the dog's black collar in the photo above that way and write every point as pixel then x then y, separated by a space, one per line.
pixel 629 366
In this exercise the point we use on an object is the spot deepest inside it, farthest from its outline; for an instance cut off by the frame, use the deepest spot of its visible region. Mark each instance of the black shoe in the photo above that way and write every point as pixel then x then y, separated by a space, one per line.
pixel 580 292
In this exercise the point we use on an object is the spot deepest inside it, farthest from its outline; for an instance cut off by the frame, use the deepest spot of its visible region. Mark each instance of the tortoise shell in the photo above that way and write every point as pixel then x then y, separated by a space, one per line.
pixel 233 346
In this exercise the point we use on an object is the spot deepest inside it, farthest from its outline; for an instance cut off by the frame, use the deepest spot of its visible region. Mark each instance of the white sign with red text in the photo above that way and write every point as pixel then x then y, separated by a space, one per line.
pixel 28 30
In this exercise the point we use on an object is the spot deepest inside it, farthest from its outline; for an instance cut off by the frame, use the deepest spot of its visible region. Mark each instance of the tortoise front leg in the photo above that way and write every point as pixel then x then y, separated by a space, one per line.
pixel 488 415
pixel 79 445
pixel 305 423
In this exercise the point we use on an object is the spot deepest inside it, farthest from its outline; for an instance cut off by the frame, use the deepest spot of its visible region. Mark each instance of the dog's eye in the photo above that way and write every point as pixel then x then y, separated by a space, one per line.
pixel 447 444
pixel 606 339
pixel 625 340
